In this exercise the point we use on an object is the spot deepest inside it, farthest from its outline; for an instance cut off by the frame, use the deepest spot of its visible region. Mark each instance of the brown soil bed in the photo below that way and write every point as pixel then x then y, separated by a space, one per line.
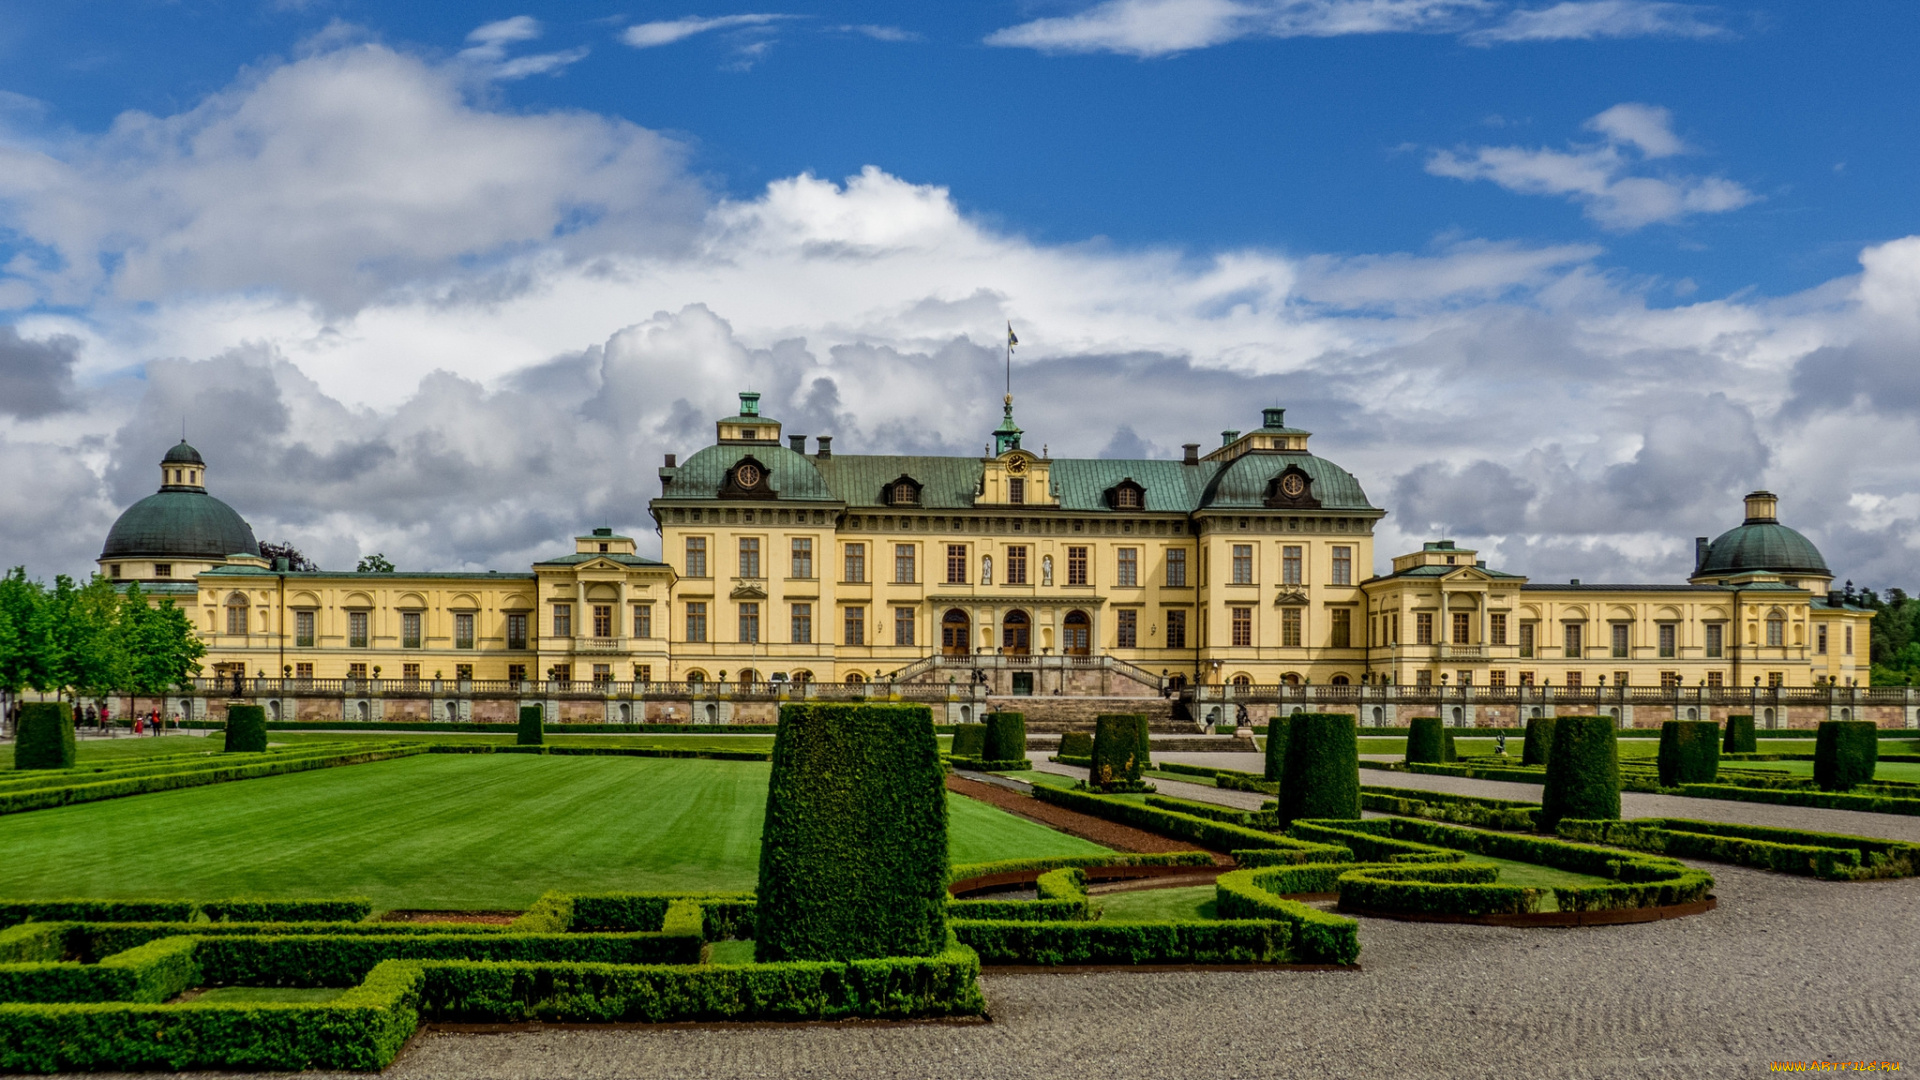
pixel 1106 833
pixel 485 918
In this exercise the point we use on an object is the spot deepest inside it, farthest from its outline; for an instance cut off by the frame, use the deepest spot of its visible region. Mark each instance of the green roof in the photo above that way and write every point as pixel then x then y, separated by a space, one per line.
pixel 182 454
pixel 179 523
pixel 1762 546
pixel 790 475
pixel 946 483
pixel 1242 483
pixel 356 575
pixel 588 556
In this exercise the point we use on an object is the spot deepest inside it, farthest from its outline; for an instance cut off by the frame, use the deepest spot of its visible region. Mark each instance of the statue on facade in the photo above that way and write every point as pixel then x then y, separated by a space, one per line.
pixel 1046 569
pixel 986 569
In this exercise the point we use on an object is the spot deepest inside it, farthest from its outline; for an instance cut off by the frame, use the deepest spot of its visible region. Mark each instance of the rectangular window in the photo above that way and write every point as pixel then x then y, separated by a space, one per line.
pixel 1620 678
pixel 516 631
pixel 1462 628
pixel 1076 566
pixel 463 672
pixel 1619 642
pixel 1820 640
pixel 749 623
pixel 563 620
pixel 696 556
pixel 1423 628
pixel 1242 626
pixel 1126 629
pixel 1669 680
pixel 1669 641
pixel 1016 490
pixel 856 564
pixel 1243 564
pixel 1714 680
pixel 161 569
pixel 236 618
pixel 956 564
pixel 410 629
pixel 697 620
pixel 1342 628
pixel 303 629
pixel 1017 564
pixel 1176 629
pixel 749 556
pixel 303 672
pixel 603 620
pixel 903 626
pixel 1290 627
pixel 1776 679
pixel 1573 680
pixel 1393 629
pixel 1423 677
pixel 903 571
pixel 1777 632
pixel 801 632
pixel 1526 678
pixel 1497 628
pixel 563 673
pixel 643 673
pixel 603 674
pixel 1526 639
pixel 1849 631
pixel 802 556
pixel 643 620
pixel 410 673
pixel 1343 566
pixel 357 672
pixel 463 630
pixel 1290 565
pixel 516 673
pixel 1177 568
pixel 1497 678
pixel 1716 640
pixel 856 626
pixel 1129 568
pixel 1570 641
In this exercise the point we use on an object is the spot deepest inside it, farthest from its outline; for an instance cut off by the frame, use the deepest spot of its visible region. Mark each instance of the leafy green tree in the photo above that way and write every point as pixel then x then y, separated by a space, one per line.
pixel 375 563
pixel 160 648
pixel 29 653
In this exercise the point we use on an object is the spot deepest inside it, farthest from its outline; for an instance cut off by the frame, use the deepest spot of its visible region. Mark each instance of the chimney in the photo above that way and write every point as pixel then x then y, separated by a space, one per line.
pixel 797 443
pixel 826 447
pixel 1700 546
pixel 1227 437
pixel 1193 453
pixel 670 461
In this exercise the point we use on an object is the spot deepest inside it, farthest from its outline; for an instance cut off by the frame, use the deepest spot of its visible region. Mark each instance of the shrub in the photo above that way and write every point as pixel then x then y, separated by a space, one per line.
pixel 1276 749
pixel 1006 737
pixel 44 738
pixel 1076 744
pixel 1583 772
pixel 1254 819
pixel 1319 937
pixel 970 740
pixel 1323 768
pixel 1831 856
pixel 853 856
pixel 1426 741
pixel 1689 752
pixel 1185 941
pixel 1740 736
pixel 1119 749
pixel 246 729
pixel 1213 835
pixel 1539 745
pixel 1844 753
pixel 1448 748
pixel 533 730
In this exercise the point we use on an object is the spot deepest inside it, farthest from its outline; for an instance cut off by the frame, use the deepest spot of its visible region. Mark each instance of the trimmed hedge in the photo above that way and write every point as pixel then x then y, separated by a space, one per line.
pixel 1740 737
pixel 1006 737
pixel 1185 941
pixel 853 856
pixel 1252 819
pixel 982 765
pixel 532 728
pixel 1370 841
pixel 1844 753
pixel 150 973
pixel 44 736
pixel 969 740
pixel 1077 744
pixel 1823 800
pixel 1213 835
pixel 1539 745
pixel 1062 898
pixel 1475 810
pixel 345 959
pixel 213 772
pixel 1120 749
pixel 1832 856
pixel 1689 752
pixel 246 729
pixel 1323 768
pixel 1583 772
pixel 1056 862
pixel 1426 741
pixel 1276 751
pixel 1319 937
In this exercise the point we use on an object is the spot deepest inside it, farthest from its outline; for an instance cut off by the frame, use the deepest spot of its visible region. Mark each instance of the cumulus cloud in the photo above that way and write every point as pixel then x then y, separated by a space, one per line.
pixel 36 377
pixel 1608 179
pixel 1587 20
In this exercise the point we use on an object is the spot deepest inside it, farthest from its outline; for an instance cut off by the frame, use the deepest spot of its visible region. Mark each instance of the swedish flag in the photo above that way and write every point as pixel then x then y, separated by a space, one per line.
pixel 1011 340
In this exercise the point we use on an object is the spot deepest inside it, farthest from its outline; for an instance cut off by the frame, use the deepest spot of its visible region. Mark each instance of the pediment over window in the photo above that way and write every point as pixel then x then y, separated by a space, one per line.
pixel 903 491
pixel 1292 488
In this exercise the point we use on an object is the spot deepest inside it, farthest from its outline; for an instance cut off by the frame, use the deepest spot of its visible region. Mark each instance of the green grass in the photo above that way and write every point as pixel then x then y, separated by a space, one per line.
pixel 128 748
pixel 730 952
pixel 442 831
pixel 268 995
pixel 1885 770
pixel 669 741
pixel 1158 905
pixel 1531 874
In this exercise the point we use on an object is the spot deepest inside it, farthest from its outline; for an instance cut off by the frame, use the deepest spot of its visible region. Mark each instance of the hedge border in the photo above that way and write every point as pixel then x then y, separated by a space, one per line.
pixel 1213 835
pixel 1830 856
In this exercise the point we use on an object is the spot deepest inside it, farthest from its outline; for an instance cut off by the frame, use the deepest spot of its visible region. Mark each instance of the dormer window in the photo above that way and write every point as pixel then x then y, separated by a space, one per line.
pixel 747 480
pixel 903 491
pixel 1127 495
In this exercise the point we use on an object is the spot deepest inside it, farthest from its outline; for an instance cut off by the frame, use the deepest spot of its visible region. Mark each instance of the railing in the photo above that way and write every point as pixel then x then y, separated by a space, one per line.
pixel 1831 696
pixel 543 688
pixel 597 645
pixel 1463 652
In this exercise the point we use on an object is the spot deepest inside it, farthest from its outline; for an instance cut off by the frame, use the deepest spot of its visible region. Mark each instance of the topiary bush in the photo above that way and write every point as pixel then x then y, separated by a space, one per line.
pixel 1740 736
pixel 246 729
pixel 1006 737
pixel 1539 745
pixel 1448 748
pixel 1583 772
pixel 44 737
pixel 1322 780
pixel 1276 748
pixel 1076 744
pixel 1689 752
pixel 1845 753
pixel 1119 750
pixel 533 731
pixel 1426 741
pixel 970 740
pixel 853 856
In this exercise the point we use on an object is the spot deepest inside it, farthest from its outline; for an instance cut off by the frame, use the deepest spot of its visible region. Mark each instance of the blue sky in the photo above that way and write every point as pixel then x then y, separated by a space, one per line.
pixel 1560 279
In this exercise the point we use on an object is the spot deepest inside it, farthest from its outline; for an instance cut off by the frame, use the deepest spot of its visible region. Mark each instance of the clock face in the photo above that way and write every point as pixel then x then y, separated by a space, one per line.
pixel 747 476
pixel 1016 466
pixel 1293 485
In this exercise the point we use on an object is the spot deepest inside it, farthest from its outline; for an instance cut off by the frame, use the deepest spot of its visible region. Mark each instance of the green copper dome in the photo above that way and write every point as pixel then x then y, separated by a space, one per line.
pixel 1762 545
pixel 180 523
pixel 182 454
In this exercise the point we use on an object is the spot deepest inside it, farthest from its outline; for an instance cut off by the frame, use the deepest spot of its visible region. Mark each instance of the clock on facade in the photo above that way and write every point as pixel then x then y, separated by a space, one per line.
pixel 1293 485
pixel 1016 466
pixel 747 476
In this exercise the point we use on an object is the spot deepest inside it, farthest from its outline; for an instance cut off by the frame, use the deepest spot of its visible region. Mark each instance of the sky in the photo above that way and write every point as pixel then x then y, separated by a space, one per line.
pixel 1560 281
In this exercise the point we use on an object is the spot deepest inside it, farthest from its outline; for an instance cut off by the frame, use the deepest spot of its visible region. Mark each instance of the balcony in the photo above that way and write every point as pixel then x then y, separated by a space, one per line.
pixel 597 645
pixel 1463 652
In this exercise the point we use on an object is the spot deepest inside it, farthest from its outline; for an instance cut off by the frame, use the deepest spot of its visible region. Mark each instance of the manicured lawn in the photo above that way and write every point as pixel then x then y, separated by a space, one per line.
pixel 1885 770
pixel 724 742
pixel 441 831
pixel 1158 905
pixel 269 995
pixel 1519 873
pixel 129 748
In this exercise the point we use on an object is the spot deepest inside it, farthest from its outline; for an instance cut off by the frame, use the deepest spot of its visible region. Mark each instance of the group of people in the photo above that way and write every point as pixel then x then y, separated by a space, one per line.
pixel 99 716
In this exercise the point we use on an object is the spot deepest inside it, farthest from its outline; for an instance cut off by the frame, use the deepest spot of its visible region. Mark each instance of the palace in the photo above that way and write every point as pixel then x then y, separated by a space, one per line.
pixel 1249 565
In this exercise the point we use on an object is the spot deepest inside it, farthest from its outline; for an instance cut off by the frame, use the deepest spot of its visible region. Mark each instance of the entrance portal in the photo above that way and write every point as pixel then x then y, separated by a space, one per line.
pixel 1016 634
pixel 954 628
pixel 1077 634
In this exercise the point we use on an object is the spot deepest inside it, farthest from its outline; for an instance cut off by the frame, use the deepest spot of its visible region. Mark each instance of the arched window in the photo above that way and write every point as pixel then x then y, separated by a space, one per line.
pixel 696 677
pixel 1776 628
pixel 748 677
pixel 954 633
pixel 1076 639
pixel 1340 680
pixel 801 677
pixel 1016 633
pixel 236 614
pixel 854 678
pixel 1127 495
pixel 904 491
pixel 1291 678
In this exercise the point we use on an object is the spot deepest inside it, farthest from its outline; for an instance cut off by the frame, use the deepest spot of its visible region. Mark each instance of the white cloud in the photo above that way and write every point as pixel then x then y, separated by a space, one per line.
pixel 651 34
pixel 882 33
pixel 494 37
pixel 1607 179
pixel 488 49
pixel 1160 27
pixel 1586 20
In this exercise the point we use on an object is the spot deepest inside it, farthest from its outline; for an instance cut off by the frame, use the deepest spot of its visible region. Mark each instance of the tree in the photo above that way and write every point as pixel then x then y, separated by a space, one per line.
pixel 273 553
pixel 162 651
pixel 375 563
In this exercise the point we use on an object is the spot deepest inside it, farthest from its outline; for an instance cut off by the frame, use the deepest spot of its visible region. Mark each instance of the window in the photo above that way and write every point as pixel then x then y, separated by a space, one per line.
pixel 603 620
pixel 643 673
pixel 1290 565
pixel 696 556
pixel 603 674
pixel 162 569
pixel 516 673
pixel 697 620
pixel 1242 626
pixel 803 557
pixel 410 673
pixel 749 556
pixel 1526 640
pixel 1669 680
pixel 1775 680
pixel 236 616
pixel 1820 640
pixel 463 672
pixel 410 629
pixel 1573 680
pixel 903 626
pixel 1177 568
pixel 749 623
pixel 1570 640
pixel 1462 628
pixel 1342 628
pixel 1290 627
pixel 1016 490
pixel 1497 628
pixel 856 563
pixel 1716 640
pixel 1343 566
pixel 1423 677
pixel 1393 629
pixel 1126 627
pixel 1497 678
pixel 1620 678
pixel 1714 680
pixel 303 629
pixel 1076 566
pixel 563 620
pixel 856 626
pixel 357 629
pixel 463 630
pixel 956 564
pixel 1526 678
pixel 303 672
pixel 1017 564
pixel 903 573
pixel 516 631
pixel 1176 629
pixel 1669 635
pixel 562 673
pixel 1127 497
pixel 1776 632
pixel 801 630
pixel 1243 564
pixel 1423 628
pixel 905 494
pixel 1618 631
pixel 643 620
pixel 1849 641
pixel 114 571
pixel 1129 568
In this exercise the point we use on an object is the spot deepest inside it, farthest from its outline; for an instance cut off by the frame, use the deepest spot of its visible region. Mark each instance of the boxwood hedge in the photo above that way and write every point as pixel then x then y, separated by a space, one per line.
pixel 970 740
pixel 1426 741
pixel 1845 753
pixel 1740 738
pixel 532 730
pixel 1006 737
pixel 1689 752
pixel 1323 768
pixel 1583 771
pixel 44 736
pixel 1276 750
pixel 1076 744
pixel 1539 743
pixel 1213 835
pixel 1120 750
pixel 246 729
pixel 1832 856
